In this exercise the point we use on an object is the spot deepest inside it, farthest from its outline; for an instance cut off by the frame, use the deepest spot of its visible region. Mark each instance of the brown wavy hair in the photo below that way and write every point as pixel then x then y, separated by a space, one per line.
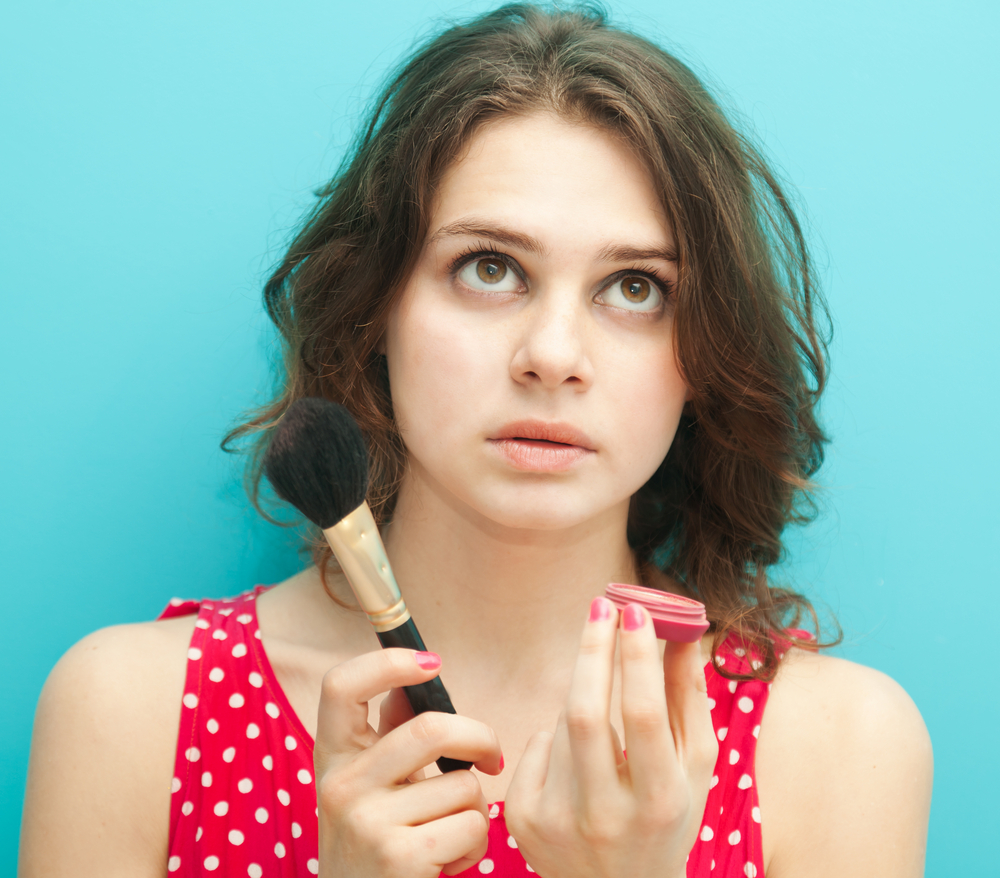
pixel 750 326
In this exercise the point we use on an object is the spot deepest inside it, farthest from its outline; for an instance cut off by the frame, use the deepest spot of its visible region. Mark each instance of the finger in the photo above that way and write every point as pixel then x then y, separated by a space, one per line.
pixel 342 725
pixel 587 715
pixel 424 739
pixel 434 798
pixel 652 758
pixel 687 704
pixel 529 778
pixel 394 710
pixel 456 842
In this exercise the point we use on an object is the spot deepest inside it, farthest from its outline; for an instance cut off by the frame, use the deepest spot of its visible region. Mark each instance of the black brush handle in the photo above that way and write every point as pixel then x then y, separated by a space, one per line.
pixel 424 696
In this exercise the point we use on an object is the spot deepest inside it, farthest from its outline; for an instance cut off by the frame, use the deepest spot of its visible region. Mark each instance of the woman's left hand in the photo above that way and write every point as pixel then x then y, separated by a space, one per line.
pixel 575 806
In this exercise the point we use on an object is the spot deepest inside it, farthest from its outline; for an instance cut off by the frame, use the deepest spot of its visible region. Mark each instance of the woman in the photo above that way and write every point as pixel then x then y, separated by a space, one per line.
pixel 572 311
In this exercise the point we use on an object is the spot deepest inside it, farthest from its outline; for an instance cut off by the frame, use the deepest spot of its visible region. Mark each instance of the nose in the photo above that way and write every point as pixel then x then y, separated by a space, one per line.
pixel 551 348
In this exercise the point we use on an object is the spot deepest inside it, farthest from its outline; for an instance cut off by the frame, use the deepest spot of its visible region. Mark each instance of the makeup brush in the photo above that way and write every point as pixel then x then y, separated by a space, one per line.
pixel 318 462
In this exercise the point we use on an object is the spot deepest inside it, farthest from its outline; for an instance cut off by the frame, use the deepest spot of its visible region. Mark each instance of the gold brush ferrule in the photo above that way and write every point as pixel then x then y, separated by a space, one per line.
pixel 356 542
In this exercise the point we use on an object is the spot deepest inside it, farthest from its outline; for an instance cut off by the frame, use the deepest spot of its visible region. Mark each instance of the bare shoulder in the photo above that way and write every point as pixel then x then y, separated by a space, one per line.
pixel 105 733
pixel 844 768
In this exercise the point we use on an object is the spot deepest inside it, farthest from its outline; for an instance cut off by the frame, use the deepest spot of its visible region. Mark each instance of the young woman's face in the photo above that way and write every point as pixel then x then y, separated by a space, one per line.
pixel 530 354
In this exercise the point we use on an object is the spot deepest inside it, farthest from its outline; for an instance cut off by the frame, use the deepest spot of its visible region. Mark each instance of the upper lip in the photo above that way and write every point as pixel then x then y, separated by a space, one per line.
pixel 555 431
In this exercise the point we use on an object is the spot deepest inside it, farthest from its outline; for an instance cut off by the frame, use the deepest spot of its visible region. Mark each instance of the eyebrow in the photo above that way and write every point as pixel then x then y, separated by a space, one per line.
pixel 477 228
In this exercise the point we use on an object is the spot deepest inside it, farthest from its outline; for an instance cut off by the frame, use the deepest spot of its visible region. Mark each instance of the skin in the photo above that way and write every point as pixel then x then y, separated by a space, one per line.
pixel 535 665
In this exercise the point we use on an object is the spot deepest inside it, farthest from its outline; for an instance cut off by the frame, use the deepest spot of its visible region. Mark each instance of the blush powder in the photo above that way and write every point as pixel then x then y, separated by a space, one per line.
pixel 674 617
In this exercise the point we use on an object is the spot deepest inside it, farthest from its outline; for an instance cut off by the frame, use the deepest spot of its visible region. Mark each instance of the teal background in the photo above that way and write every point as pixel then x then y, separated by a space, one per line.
pixel 155 155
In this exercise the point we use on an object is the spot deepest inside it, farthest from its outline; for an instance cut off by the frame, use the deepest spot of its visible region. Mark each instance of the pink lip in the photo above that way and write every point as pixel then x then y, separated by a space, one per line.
pixel 536 446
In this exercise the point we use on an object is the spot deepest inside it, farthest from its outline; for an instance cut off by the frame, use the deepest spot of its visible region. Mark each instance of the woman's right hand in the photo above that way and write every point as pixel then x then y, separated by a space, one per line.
pixel 378 816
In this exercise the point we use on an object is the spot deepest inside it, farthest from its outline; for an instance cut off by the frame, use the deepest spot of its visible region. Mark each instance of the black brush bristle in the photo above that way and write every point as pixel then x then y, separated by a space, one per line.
pixel 317 460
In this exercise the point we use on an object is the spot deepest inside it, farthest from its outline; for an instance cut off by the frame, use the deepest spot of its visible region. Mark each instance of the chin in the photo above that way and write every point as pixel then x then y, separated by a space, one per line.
pixel 534 511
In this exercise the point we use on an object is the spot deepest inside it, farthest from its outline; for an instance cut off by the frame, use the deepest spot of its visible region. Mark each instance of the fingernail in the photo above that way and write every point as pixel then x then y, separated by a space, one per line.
pixel 633 617
pixel 600 609
pixel 428 660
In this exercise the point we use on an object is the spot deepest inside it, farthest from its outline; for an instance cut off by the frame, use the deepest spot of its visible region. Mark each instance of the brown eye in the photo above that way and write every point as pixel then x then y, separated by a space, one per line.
pixel 491 271
pixel 635 289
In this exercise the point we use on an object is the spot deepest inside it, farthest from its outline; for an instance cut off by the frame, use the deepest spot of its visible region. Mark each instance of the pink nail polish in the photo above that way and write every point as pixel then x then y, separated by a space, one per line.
pixel 633 617
pixel 428 660
pixel 501 761
pixel 600 609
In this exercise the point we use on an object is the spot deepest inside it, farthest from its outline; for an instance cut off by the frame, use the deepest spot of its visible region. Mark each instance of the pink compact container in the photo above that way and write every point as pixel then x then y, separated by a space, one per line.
pixel 674 618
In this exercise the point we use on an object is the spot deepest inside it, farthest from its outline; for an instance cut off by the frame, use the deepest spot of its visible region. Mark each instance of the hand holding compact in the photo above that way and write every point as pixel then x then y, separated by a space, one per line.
pixel 378 816
pixel 575 807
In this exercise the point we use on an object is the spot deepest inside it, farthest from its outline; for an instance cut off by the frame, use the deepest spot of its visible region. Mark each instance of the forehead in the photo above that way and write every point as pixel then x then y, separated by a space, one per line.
pixel 555 179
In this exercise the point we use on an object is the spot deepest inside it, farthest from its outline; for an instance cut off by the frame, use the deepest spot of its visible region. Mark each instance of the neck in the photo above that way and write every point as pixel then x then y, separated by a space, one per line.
pixel 487 594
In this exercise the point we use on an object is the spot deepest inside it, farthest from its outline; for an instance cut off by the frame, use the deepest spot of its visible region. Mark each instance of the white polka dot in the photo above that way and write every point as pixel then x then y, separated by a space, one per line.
pixel 207 606
pixel 239 650
pixel 720 660
pixel 211 863
pixel 235 837
pixel 219 634
pixel 173 864
pixel 226 611
pixel 187 808
pixel 203 624
pixel 745 704
pixel 526 866
pixel 192 754
pixel 756 731
pixel 494 810
pixel 313 866
pixel 244 618
pixel 290 742
pixel 706 833
pixel 221 809
pixel 279 850
pixel 722 733
pixel 212 725
pixel 740 651
pixel 268 762
pixel 732 685
pixel 755 813
pixel 175 785
pixel 734 757
pixel 253 730
pixel 272 710
pixel 722 808
pixel 216 675
pixel 711 704
pixel 734 837
pixel 303 776
pixel 245 785
pixel 254 871
pixel 510 842
pixel 713 782
pixel 236 700
pixel 745 782
pixel 260 815
pixel 486 865
pixel 176 602
pixel 283 797
pixel 257 634
pixel 296 830
pixel 256 680
pixel 197 835
pixel 756 665
pixel 750 870
pixel 229 754
pixel 206 779
pixel 194 653
pixel 713 865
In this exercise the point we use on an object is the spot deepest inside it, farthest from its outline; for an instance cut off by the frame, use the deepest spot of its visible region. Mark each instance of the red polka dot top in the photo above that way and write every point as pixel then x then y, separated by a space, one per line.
pixel 244 796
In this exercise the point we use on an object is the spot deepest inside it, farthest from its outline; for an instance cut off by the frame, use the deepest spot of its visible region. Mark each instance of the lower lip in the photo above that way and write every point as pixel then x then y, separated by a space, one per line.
pixel 530 455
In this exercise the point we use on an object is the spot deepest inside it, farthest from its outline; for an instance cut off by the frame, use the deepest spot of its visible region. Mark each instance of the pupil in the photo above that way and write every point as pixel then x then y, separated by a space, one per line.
pixel 491 272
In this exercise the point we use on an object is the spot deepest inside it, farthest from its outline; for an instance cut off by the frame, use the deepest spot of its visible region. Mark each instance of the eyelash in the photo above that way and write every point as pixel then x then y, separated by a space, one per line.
pixel 482 250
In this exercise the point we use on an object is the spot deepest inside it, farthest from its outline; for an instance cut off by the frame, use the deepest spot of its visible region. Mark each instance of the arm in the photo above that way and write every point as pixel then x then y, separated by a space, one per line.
pixel 98 792
pixel 844 769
